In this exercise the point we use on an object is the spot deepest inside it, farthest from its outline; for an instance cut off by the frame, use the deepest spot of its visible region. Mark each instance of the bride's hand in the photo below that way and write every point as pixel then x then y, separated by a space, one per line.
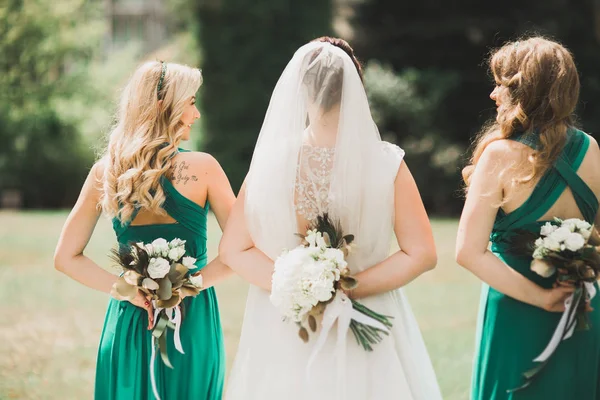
pixel 553 300
pixel 141 301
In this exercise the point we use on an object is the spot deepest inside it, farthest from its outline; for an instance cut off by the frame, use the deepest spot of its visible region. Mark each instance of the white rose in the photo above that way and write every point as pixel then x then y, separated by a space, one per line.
pixel 189 262
pixel 539 242
pixel 161 247
pixel 321 241
pixel 158 268
pixel 574 242
pixel 551 243
pixel 542 268
pixel 197 280
pixel 311 238
pixel 149 249
pixel 548 228
pixel 176 253
pixel 561 234
pixel 176 243
pixel 570 224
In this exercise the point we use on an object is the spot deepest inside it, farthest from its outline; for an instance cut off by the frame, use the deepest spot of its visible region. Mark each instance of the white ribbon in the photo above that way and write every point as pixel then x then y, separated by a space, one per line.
pixel 174 315
pixel 342 311
pixel 564 322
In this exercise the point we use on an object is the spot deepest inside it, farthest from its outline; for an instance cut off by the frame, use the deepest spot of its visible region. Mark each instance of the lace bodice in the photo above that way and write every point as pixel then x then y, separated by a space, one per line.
pixel 313 180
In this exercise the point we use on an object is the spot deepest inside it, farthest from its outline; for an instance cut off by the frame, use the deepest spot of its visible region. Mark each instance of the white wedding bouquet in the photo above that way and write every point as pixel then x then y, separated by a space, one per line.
pixel 309 278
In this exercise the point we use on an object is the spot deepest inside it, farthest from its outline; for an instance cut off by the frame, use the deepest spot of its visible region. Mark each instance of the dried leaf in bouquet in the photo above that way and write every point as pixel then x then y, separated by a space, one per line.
pixel 177 273
pixel 348 282
pixel 122 290
pixel 172 301
pixel 312 323
pixel 303 333
pixel 165 289
pixel 189 290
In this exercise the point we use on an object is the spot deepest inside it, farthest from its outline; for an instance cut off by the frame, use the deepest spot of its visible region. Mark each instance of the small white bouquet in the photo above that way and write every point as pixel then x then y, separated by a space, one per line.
pixel 311 278
pixel 161 270
pixel 569 249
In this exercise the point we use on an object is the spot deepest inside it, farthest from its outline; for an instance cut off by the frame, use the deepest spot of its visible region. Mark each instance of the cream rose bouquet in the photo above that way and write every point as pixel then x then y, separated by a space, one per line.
pixel 312 279
pixel 569 250
pixel 161 270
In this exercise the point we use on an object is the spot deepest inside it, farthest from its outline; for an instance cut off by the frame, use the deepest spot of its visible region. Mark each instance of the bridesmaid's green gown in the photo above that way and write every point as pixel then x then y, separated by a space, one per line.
pixel 122 371
pixel 510 333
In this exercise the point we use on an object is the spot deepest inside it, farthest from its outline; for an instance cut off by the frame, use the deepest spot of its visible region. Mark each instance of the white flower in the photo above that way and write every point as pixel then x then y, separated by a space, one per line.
pixel 161 247
pixel 149 249
pixel 197 280
pixel 574 242
pixel 585 233
pixel 189 262
pixel 539 242
pixel 311 238
pixel 321 241
pixel 551 243
pixel 560 234
pixel 539 253
pixel 548 228
pixel 542 268
pixel 176 243
pixel 302 278
pixel 158 268
pixel 176 253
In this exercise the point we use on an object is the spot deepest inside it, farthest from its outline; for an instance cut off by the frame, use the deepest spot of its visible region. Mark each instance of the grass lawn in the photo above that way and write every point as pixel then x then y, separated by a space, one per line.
pixel 50 325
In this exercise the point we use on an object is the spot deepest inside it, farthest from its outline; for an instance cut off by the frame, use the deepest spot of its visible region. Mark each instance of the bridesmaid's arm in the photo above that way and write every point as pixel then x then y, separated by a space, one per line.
pixel 68 257
pixel 221 198
pixel 481 206
pixel 237 249
pixel 413 232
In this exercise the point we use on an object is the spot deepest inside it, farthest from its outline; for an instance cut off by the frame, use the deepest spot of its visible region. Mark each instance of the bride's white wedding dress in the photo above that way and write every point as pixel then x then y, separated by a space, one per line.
pixel 354 181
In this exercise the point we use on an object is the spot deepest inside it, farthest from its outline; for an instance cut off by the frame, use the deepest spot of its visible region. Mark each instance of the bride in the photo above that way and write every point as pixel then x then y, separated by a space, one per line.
pixel 319 150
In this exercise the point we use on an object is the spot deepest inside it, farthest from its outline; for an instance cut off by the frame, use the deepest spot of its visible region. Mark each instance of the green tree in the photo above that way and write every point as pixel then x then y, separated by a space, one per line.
pixel 45 48
pixel 445 48
pixel 246 45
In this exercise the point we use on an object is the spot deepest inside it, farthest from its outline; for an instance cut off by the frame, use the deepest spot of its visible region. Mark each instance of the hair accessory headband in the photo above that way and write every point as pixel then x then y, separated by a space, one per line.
pixel 162 77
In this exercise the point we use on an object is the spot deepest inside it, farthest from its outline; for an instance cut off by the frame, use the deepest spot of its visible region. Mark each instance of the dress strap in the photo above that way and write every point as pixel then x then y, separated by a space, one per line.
pixel 567 165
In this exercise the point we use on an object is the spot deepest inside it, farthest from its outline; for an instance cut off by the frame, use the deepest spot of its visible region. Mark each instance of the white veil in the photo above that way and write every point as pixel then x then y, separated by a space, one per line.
pixel 319 80
pixel 271 360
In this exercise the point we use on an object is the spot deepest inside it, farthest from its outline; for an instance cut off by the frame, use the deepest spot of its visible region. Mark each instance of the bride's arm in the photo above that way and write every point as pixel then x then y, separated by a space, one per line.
pixel 237 248
pixel 481 206
pixel 415 239
pixel 221 198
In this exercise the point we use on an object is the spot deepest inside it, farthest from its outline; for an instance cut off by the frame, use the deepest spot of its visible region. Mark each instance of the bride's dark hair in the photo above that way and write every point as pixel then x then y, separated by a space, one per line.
pixel 342 44
pixel 324 81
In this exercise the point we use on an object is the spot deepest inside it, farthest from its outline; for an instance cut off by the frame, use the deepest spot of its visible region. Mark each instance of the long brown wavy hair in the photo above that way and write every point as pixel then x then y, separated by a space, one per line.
pixel 145 138
pixel 538 87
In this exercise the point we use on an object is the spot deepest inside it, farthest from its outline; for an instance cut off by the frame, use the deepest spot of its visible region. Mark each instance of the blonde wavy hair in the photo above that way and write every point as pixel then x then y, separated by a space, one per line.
pixel 538 87
pixel 145 138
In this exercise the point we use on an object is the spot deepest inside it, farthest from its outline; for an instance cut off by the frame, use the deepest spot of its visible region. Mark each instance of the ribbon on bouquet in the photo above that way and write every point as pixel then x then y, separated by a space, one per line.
pixel 171 318
pixel 342 311
pixel 564 330
pixel 566 325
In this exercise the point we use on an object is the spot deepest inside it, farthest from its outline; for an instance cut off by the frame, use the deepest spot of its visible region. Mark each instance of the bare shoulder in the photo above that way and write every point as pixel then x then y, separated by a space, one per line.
pixel 500 154
pixel 593 145
pixel 193 166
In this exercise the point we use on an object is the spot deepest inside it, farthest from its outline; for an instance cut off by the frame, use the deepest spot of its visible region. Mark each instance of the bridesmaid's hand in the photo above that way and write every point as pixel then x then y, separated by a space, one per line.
pixel 553 300
pixel 144 302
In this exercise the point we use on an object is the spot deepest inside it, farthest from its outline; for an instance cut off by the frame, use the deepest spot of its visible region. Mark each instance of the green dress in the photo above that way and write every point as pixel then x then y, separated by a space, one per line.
pixel 122 371
pixel 510 334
